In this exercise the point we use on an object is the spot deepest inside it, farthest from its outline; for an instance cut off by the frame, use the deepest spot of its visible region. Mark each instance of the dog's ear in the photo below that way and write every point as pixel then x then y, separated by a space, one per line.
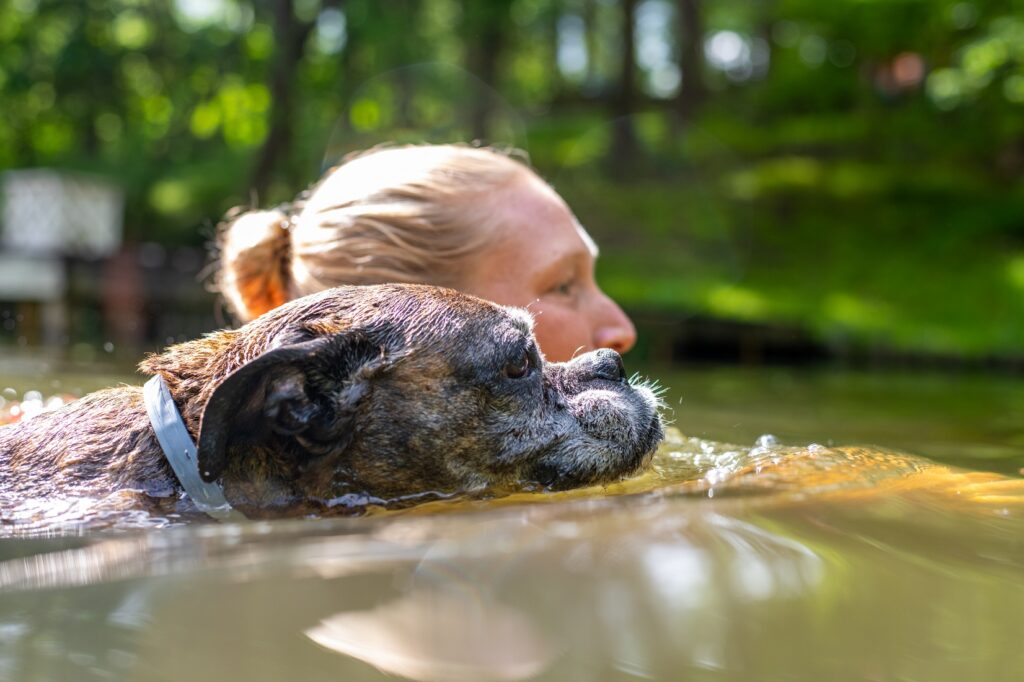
pixel 306 392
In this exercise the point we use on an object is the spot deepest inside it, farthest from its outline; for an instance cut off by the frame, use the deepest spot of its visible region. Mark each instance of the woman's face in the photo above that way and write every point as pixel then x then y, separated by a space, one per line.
pixel 543 260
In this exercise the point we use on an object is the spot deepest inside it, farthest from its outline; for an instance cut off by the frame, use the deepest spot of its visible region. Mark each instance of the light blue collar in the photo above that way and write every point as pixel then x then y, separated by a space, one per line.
pixel 181 453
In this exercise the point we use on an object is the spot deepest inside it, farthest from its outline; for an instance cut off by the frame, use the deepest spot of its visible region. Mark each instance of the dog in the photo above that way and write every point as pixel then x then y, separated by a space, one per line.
pixel 373 393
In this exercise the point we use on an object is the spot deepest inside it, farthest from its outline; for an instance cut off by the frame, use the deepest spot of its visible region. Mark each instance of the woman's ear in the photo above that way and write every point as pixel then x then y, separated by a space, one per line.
pixel 305 392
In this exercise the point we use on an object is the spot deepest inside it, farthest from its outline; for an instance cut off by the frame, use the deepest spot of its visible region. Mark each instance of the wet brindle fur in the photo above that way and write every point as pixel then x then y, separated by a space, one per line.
pixel 355 393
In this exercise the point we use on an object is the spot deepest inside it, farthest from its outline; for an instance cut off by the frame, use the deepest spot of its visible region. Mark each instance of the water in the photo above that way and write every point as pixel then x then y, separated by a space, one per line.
pixel 768 559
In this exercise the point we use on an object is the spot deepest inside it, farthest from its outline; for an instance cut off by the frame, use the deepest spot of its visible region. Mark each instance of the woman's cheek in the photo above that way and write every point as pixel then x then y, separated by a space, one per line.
pixel 561 333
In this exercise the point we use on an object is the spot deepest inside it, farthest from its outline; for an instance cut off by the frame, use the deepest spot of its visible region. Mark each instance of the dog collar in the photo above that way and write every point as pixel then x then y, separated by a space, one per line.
pixel 181 454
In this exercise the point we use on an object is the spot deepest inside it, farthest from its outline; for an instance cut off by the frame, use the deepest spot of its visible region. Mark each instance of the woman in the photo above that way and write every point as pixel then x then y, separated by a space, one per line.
pixel 468 218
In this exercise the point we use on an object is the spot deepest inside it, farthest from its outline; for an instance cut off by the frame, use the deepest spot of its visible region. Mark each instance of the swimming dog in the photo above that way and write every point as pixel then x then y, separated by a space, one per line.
pixel 356 393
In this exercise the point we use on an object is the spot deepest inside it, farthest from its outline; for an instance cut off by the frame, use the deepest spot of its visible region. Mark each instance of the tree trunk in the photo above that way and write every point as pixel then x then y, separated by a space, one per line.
pixel 624 144
pixel 484 28
pixel 291 36
pixel 691 59
pixel 552 15
pixel 590 36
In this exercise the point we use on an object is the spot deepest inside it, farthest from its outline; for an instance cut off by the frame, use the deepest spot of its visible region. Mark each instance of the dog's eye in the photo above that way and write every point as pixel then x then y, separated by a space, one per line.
pixel 519 368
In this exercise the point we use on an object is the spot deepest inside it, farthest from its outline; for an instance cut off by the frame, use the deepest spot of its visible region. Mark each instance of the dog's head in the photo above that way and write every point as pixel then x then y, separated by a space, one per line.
pixel 396 390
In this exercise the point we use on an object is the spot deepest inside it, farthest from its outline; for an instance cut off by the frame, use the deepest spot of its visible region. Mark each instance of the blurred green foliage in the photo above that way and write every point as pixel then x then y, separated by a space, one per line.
pixel 852 166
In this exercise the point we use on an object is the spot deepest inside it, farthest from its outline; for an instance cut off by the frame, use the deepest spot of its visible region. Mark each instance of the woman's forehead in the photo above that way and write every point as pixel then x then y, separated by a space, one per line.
pixel 535 239
pixel 532 217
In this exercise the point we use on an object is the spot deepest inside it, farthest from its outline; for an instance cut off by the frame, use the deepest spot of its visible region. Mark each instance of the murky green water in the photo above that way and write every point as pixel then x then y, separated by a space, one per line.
pixel 756 561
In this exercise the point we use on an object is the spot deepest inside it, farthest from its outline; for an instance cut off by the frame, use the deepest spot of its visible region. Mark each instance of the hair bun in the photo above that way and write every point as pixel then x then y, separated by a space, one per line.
pixel 255 248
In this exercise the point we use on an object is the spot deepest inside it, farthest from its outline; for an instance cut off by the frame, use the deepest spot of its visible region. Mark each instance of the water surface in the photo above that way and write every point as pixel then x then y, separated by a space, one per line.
pixel 768 559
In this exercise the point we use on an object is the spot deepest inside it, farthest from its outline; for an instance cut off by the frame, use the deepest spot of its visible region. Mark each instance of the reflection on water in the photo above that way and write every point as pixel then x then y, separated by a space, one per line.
pixel 715 565
pixel 724 562
pixel 445 634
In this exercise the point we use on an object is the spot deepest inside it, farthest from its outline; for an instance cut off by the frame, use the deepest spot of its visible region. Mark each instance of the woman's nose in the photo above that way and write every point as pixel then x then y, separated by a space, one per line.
pixel 614 329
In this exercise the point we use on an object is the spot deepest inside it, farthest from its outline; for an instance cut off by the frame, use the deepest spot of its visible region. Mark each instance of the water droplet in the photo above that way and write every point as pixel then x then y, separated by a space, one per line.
pixel 109 347
pixel 766 441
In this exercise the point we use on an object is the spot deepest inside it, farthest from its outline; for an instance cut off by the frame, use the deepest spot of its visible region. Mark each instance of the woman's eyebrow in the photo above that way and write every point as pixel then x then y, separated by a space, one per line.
pixel 570 259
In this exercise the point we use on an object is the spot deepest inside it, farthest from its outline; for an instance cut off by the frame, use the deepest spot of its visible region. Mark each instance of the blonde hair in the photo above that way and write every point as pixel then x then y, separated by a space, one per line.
pixel 392 214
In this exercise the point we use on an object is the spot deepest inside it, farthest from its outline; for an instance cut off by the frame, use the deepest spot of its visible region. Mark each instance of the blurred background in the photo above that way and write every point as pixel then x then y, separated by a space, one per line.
pixel 773 183
pixel 812 209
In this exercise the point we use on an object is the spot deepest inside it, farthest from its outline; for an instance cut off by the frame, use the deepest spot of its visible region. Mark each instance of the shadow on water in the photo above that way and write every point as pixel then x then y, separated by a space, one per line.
pixel 761 561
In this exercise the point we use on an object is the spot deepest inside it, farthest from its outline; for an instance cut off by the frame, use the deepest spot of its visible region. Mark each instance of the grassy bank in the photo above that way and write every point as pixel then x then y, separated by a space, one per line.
pixel 858 271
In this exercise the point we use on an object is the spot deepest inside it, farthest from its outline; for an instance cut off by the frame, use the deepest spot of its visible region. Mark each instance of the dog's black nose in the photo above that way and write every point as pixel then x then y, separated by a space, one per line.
pixel 608 365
